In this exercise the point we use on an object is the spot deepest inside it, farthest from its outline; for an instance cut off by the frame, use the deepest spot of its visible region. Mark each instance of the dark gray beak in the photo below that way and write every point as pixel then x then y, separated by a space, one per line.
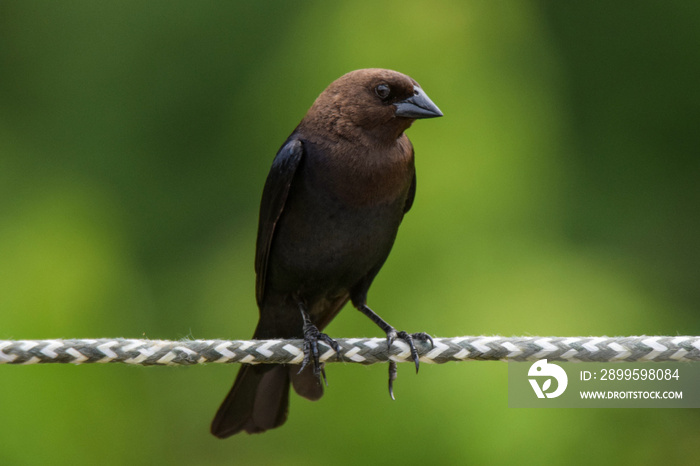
pixel 417 106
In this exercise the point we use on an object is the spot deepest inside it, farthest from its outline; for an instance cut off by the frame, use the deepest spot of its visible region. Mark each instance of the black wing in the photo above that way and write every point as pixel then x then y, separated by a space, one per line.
pixel 272 204
pixel 411 195
pixel 412 190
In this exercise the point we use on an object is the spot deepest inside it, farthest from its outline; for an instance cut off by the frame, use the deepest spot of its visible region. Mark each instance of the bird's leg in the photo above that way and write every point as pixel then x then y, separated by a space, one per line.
pixel 391 335
pixel 311 338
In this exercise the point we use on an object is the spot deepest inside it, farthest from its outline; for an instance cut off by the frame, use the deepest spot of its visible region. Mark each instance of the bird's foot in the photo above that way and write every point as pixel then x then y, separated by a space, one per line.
pixel 409 338
pixel 311 353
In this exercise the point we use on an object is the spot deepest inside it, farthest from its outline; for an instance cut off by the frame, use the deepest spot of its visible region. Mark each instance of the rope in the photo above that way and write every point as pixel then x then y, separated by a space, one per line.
pixel 357 350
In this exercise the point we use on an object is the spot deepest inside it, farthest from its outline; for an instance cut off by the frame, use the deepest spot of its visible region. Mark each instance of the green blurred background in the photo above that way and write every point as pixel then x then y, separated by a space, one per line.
pixel 559 195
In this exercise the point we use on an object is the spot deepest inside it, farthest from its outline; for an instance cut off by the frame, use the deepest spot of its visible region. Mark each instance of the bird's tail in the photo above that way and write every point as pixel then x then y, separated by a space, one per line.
pixel 258 401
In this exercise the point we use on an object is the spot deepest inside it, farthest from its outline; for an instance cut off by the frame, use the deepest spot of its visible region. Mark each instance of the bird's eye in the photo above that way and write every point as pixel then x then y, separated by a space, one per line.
pixel 382 91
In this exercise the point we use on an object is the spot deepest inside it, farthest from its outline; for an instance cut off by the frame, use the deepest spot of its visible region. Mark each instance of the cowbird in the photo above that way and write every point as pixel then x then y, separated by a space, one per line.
pixel 332 203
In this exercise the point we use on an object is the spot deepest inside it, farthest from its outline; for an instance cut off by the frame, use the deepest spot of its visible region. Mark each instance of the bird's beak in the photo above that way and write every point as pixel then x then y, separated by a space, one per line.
pixel 417 106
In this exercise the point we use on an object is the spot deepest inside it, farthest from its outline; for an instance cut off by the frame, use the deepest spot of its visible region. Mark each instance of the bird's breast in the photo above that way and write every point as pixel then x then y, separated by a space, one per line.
pixel 337 225
pixel 360 175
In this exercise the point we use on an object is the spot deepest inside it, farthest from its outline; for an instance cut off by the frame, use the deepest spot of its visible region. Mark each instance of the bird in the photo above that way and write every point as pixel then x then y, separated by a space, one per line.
pixel 331 207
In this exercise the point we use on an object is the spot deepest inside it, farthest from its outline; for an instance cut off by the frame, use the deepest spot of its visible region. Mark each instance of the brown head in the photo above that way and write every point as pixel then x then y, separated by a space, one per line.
pixel 372 105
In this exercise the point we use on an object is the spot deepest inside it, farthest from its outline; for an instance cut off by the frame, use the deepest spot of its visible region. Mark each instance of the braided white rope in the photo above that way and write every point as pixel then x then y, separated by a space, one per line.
pixel 358 350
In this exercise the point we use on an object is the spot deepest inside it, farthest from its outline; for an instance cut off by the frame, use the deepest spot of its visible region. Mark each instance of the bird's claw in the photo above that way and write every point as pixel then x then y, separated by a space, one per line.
pixel 311 353
pixel 409 338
